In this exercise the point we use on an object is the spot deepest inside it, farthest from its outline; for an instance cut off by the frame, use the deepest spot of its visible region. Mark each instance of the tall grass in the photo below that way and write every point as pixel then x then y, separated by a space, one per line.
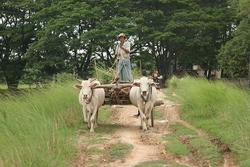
pixel 223 110
pixel 39 128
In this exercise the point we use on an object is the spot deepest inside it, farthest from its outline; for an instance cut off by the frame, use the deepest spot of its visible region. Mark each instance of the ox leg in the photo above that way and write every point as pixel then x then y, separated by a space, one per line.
pixel 84 114
pixel 147 114
pixel 147 120
pixel 152 117
pixel 143 120
pixel 93 120
pixel 96 124
pixel 149 117
pixel 88 118
pixel 141 123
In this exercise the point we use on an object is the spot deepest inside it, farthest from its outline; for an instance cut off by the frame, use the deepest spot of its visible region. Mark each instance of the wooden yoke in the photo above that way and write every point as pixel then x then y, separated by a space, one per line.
pixel 114 86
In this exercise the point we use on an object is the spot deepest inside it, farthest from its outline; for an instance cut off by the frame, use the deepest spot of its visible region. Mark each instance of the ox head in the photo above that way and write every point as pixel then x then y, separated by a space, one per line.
pixel 145 85
pixel 86 89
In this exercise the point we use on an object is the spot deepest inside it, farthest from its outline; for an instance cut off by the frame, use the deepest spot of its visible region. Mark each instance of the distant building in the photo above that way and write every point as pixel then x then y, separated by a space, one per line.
pixel 215 74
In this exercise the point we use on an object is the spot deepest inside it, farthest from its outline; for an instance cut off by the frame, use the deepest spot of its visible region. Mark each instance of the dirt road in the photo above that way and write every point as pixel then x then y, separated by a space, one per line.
pixel 147 146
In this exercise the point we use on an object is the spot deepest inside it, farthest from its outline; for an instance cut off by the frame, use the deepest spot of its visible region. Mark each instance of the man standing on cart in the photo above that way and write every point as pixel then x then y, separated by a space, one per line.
pixel 122 53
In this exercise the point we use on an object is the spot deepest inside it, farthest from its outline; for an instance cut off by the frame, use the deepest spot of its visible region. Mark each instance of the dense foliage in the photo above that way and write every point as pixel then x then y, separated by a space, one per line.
pixel 235 55
pixel 39 39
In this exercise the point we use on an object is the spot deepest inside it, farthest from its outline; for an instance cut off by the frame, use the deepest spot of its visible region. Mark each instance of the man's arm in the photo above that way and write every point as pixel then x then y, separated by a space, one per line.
pixel 126 47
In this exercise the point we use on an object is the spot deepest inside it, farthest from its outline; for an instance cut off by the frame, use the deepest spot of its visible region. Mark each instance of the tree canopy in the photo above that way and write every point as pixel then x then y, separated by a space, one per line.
pixel 235 54
pixel 39 39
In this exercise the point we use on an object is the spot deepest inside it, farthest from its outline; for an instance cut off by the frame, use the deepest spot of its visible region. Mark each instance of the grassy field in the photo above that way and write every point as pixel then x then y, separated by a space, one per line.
pixel 184 141
pixel 20 86
pixel 39 127
pixel 221 109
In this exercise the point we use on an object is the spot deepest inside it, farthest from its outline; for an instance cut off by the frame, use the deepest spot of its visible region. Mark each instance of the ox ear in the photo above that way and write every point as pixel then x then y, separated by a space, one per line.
pixel 78 86
pixel 92 79
pixel 93 85
pixel 80 81
pixel 136 84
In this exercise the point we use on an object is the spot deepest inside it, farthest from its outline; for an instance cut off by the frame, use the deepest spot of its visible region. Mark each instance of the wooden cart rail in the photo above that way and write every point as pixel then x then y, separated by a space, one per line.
pixel 116 94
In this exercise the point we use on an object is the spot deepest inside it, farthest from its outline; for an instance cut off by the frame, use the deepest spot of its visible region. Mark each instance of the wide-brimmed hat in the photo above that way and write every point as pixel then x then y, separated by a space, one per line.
pixel 121 35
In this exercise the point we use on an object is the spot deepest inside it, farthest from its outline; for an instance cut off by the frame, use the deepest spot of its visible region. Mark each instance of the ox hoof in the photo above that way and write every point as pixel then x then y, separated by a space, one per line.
pixel 92 131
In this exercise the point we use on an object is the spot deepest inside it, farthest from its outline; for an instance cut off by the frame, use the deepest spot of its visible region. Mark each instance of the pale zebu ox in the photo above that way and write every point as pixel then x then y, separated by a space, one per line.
pixel 143 95
pixel 91 99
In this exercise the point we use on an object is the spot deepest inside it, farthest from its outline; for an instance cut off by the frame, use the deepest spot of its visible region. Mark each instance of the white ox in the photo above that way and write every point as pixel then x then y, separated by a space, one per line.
pixel 143 95
pixel 91 99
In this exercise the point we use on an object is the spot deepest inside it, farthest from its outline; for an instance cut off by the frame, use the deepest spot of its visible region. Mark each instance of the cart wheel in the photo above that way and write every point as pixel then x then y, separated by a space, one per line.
pixel 152 118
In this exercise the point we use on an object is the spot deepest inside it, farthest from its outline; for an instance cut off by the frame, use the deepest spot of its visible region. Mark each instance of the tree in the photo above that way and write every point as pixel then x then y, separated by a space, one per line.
pixel 16 33
pixel 181 33
pixel 57 46
pixel 43 38
pixel 234 56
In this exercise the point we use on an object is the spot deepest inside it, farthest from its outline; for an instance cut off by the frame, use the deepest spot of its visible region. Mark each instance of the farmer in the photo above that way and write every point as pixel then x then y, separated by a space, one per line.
pixel 123 66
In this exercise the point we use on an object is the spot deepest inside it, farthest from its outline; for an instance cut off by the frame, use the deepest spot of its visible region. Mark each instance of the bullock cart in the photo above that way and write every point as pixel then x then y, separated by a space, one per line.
pixel 118 94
